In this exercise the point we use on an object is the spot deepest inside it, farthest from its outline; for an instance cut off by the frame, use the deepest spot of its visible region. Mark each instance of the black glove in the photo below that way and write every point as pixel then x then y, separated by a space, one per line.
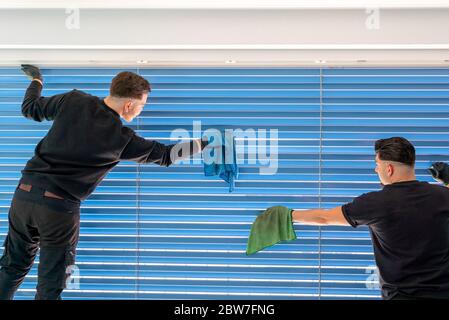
pixel 440 172
pixel 31 71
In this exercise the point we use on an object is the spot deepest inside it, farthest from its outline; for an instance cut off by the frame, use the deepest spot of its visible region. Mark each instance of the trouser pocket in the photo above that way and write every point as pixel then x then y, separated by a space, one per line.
pixel 72 272
pixel 5 260
pixel 56 265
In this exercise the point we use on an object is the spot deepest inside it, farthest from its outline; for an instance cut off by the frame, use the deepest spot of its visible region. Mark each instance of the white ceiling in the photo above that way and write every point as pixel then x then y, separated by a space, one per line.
pixel 225 37
pixel 223 4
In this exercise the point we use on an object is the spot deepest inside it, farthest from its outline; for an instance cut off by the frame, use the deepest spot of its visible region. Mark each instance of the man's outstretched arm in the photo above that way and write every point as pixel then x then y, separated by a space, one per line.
pixel 35 106
pixel 143 150
pixel 320 217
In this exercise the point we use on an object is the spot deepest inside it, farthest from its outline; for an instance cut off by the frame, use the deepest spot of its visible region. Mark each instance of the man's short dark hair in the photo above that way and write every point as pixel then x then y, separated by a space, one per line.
pixel 129 85
pixel 396 149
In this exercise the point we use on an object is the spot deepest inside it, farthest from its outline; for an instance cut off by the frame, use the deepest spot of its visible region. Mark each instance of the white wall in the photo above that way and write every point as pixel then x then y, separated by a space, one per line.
pixel 210 37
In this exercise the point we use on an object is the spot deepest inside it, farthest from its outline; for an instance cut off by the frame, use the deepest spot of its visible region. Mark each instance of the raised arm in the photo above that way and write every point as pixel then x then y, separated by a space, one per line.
pixel 35 106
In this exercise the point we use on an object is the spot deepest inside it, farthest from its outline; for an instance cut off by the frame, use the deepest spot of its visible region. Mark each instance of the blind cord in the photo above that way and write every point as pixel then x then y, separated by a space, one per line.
pixel 319 181
pixel 138 217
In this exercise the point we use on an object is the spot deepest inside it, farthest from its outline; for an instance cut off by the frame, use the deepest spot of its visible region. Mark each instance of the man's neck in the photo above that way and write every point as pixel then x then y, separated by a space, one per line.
pixel 108 101
pixel 408 178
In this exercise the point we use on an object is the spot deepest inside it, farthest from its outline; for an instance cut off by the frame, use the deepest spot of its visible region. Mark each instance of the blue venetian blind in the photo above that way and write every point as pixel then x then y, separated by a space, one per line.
pixel 149 232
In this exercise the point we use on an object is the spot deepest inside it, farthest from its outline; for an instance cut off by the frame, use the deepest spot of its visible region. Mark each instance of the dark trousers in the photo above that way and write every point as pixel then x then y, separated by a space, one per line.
pixel 36 221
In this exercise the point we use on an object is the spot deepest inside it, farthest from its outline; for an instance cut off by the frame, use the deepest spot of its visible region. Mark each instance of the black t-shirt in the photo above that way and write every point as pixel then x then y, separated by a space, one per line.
pixel 409 226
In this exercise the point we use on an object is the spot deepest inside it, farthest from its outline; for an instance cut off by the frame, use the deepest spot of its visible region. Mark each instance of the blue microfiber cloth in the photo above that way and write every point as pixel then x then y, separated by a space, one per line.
pixel 224 163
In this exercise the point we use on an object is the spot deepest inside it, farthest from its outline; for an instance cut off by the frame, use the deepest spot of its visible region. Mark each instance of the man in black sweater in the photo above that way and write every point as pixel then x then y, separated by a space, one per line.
pixel 86 141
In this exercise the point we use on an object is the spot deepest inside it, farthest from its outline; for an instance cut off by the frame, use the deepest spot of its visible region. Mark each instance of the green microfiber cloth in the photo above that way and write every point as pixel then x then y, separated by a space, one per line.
pixel 272 226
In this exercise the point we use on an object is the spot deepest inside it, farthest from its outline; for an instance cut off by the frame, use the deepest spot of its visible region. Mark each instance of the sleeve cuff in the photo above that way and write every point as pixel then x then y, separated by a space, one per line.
pixel 38 80
pixel 198 144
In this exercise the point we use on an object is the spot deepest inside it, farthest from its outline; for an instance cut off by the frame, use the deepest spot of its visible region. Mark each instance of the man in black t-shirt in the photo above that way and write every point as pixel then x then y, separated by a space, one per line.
pixel 408 222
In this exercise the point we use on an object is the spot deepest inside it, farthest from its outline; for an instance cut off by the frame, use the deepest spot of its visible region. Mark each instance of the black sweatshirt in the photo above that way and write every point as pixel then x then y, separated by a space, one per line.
pixel 87 139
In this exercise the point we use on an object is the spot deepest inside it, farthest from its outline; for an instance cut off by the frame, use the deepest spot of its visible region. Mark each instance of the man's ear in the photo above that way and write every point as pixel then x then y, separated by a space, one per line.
pixel 127 106
pixel 390 170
